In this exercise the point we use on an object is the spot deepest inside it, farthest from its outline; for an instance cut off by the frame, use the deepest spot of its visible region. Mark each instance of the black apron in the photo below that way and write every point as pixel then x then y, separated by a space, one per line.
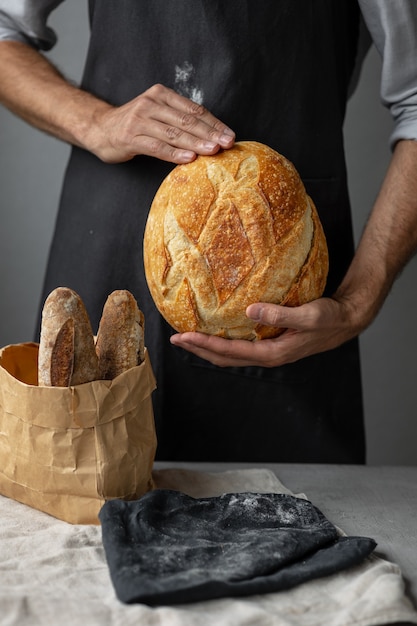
pixel 277 72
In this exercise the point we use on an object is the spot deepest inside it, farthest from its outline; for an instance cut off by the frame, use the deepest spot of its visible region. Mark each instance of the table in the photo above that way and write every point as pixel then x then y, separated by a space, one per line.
pixel 378 502
pixel 53 572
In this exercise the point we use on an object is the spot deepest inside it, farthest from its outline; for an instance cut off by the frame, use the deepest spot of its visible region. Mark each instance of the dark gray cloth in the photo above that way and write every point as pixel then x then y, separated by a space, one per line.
pixel 170 548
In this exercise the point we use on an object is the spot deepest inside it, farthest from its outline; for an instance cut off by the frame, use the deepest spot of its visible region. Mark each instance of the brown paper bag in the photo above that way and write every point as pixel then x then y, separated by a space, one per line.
pixel 66 450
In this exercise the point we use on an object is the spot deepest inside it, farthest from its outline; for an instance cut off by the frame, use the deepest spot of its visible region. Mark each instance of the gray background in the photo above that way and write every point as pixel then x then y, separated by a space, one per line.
pixel 31 170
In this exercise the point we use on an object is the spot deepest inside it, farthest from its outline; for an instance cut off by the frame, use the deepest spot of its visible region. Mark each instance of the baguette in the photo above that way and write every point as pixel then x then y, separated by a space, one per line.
pixel 67 353
pixel 120 338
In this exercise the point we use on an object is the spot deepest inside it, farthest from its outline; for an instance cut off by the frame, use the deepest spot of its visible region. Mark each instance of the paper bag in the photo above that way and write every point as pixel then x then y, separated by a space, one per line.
pixel 67 450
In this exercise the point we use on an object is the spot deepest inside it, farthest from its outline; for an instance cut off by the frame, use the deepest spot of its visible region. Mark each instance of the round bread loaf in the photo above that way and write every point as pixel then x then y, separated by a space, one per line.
pixel 228 230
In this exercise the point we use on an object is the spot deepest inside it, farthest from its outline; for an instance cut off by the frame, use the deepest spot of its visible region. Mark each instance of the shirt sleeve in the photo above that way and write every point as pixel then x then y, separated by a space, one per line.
pixel 26 21
pixel 393 27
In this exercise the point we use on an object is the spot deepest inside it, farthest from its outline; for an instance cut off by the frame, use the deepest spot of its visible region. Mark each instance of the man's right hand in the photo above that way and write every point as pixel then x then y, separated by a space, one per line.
pixel 158 123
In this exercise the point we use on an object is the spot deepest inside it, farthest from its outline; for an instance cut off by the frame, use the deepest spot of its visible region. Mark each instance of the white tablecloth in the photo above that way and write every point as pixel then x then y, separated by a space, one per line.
pixel 55 574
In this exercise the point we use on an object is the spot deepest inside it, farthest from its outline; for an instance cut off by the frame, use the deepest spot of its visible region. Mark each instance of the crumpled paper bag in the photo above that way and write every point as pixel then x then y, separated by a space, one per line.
pixel 67 450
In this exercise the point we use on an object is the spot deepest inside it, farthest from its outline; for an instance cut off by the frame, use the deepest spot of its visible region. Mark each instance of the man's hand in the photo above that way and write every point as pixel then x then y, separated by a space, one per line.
pixel 311 328
pixel 158 123
pixel 388 242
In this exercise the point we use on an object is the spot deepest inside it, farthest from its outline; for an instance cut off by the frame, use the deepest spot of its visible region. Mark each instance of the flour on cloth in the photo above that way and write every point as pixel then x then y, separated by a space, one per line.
pixel 55 573
pixel 170 548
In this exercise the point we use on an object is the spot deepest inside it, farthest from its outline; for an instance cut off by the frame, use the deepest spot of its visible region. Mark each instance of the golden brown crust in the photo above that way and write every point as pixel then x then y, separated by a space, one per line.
pixel 61 305
pixel 120 337
pixel 228 230
pixel 62 357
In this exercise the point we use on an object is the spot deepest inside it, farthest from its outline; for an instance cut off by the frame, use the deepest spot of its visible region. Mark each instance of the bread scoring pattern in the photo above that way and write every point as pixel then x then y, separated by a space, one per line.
pixel 228 230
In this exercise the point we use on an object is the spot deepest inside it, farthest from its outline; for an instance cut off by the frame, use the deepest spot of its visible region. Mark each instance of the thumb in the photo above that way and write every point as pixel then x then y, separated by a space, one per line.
pixel 275 315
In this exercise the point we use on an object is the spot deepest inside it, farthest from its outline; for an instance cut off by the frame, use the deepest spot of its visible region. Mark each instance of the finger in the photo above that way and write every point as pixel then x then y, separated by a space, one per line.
pixel 171 144
pixel 161 150
pixel 185 131
pixel 302 317
pixel 164 141
pixel 215 358
pixel 181 115
pixel 224 352
pixel 217 129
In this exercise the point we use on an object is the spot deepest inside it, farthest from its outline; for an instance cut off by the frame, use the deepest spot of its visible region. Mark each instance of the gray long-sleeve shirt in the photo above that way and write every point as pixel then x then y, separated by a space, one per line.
pixel 392 25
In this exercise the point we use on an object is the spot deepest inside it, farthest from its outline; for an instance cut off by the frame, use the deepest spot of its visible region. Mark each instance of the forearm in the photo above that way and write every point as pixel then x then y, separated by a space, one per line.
pixel 36 91
pixel 158 123
pixel 388 241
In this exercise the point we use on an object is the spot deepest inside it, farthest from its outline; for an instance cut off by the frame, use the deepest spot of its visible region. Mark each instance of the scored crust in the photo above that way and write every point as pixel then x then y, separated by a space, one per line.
pixel 120 337
pixel 228 230
pixel 63 355
pixel 66 348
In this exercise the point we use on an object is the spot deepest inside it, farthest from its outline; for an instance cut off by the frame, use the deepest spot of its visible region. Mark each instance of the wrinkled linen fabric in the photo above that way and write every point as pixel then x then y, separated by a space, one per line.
pixel 52 572
pixel 170 548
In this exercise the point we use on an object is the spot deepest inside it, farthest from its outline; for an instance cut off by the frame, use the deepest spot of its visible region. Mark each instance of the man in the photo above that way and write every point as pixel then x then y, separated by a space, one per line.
pixel 165 81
